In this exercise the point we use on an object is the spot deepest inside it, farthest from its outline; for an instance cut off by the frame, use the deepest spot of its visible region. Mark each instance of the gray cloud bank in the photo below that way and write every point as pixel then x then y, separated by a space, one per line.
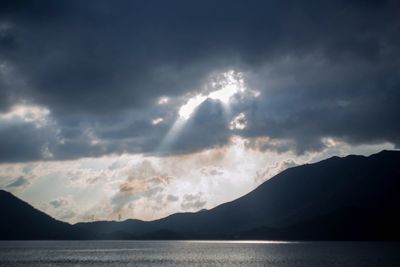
pixel 324 69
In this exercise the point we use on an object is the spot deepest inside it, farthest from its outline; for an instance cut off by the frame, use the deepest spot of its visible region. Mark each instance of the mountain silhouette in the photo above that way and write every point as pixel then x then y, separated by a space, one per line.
pixel 21 221
pixel 349 198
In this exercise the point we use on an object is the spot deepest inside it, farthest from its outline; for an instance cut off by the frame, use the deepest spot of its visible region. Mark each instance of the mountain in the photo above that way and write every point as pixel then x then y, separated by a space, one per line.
pixel 304 197
pixel 343 224
pixel 350 198
pixel 21 221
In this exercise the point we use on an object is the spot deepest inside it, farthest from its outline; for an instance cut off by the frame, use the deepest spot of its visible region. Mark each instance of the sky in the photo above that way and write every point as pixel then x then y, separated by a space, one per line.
pixel 112 110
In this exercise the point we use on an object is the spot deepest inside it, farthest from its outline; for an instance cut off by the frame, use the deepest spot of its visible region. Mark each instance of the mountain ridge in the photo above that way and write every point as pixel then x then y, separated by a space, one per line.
pixel 301 198
pixel 31 223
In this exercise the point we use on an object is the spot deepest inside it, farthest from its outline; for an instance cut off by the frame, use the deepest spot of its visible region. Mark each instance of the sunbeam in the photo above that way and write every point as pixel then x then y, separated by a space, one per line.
pixel 171 136
pixel 225 86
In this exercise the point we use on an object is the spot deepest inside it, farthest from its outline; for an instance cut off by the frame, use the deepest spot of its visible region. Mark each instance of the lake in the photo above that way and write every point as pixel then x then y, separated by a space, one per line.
pixel 197 253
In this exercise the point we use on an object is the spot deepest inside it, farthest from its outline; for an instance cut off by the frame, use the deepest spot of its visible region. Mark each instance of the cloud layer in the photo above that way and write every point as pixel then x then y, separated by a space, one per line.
pixel 323 69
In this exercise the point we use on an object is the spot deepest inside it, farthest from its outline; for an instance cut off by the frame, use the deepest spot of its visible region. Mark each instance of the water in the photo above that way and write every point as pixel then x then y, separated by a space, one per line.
pixel 197 253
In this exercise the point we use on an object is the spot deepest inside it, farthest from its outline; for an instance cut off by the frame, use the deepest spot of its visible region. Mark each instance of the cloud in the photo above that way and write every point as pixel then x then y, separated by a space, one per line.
pixel 211 171
pixel 172 198
pixel 193 202
pixel 142 178
pixel 100 74
pixel 18 183
pixel 266 173
pixel 63 208
pixel 143 181
pixel 59 202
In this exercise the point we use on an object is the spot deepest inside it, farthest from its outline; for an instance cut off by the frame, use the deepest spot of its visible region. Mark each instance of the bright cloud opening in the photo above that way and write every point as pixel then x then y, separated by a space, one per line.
pixel 229 84
pixel 239 122
pixel 27 113
pixel 225 93
pixel 163 100
pixel 157 121
pixel 223 88
pixel 187 110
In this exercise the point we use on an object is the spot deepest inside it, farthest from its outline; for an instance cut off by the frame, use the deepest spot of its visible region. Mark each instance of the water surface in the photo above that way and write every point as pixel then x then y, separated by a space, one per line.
pixel 197 253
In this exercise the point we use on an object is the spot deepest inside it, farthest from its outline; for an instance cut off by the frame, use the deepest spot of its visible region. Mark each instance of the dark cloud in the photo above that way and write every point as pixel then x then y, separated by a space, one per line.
pixel 19 182
pixel 20 143
pixel 324 69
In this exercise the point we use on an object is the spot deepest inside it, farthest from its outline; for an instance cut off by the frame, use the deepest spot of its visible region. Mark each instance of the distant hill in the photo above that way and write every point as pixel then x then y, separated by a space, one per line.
pixel 350 198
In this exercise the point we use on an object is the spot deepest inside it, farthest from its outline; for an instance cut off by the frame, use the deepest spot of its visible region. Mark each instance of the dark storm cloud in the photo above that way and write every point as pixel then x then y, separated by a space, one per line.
pixel 349 100
pixel 324 69
pixel 23 143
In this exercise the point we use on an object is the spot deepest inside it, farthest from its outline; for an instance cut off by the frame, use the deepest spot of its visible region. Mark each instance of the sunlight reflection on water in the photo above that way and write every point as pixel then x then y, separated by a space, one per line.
pixel 197 253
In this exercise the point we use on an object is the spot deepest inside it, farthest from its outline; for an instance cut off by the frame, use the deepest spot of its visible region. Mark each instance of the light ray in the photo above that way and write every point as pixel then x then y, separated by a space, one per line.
pixel 171 135
pixel 225 87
